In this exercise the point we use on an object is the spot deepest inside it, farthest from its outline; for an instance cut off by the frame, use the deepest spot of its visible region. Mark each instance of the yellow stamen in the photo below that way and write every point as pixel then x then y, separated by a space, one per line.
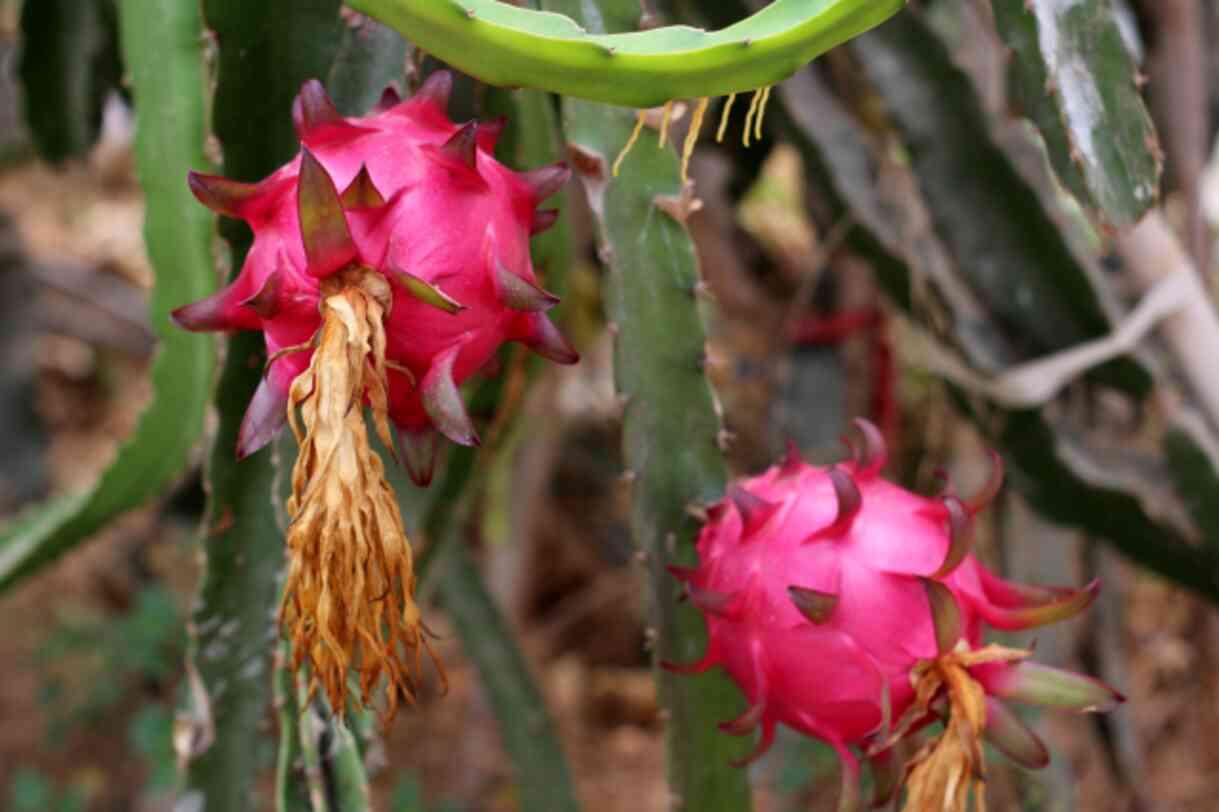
pixel 349 594
pixel 666 117
pixel 696 126
pixel 761 116
pixel 640 118
pixel 749 116
pixel 724 118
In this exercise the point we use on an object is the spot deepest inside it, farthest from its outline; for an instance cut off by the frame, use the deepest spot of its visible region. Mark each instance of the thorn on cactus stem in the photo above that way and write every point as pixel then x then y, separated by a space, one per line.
pixel 390 98
pixel 960 536
pixel 266 303
pixel 462 147
pixel 719 604
pixel 543 220
pixel 546 340
pixel 518 293
pixel 746 723
pixel 818 607
pixel 222 195
pixel 850 500
pixel 945 615
pixel 264 417
pixel 442 400
pixel 424 291
pixel 324 230
pixel 547 180
pixel 418 451
pixel 312 110
pixel 437 88
pixel 755 512
pixel 362 193
pixel 989 491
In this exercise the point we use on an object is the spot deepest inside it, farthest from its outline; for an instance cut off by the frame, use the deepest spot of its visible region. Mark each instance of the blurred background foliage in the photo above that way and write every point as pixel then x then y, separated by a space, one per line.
pixel 938 232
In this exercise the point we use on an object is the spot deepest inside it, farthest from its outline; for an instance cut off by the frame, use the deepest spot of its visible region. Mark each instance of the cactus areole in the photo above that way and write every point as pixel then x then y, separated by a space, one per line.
pixel 390 262
pixel 852 610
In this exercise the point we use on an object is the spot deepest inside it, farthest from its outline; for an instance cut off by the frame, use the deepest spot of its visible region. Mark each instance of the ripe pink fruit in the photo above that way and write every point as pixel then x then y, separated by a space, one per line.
pixel 829 591
pixel 408 193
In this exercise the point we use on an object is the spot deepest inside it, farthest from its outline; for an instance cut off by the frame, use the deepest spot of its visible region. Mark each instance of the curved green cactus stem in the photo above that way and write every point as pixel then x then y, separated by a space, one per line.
pixel 163 49
pixel 672 430
pixel 525 726
pixel 291 794
pixel 502 44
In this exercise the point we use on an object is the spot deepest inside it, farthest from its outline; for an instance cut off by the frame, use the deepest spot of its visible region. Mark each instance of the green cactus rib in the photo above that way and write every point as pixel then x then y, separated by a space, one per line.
pixel 162 43
pixel 503 44
pixel 671 428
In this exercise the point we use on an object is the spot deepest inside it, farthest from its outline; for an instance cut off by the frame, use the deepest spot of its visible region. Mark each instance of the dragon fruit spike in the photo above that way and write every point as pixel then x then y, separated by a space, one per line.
pixel 872 456
pixel 221 195
pixel 853 610
pixel 849 501
pixel 371 294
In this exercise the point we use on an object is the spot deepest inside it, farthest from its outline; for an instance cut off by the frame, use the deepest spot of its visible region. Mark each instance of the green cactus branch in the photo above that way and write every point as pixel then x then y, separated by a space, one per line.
pixel 670 422
pixel 163 47
pixel 503 44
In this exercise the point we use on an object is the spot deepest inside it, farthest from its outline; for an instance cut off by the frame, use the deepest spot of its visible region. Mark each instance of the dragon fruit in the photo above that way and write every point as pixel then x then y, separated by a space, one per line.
pixel 852 610
pixel 390 262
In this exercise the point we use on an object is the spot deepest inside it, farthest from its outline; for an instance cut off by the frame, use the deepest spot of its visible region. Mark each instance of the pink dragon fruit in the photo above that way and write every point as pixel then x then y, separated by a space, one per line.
pixel 386 295
pixel 423 203
pixel 852 610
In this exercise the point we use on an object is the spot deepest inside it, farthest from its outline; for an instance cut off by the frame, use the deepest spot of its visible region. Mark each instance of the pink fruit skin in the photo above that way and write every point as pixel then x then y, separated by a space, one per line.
pixel 445 221
pixel 826 678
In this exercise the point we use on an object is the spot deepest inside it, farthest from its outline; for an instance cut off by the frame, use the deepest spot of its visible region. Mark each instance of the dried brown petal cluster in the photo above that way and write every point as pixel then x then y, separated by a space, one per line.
pixel 349 596
pixel 942 773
